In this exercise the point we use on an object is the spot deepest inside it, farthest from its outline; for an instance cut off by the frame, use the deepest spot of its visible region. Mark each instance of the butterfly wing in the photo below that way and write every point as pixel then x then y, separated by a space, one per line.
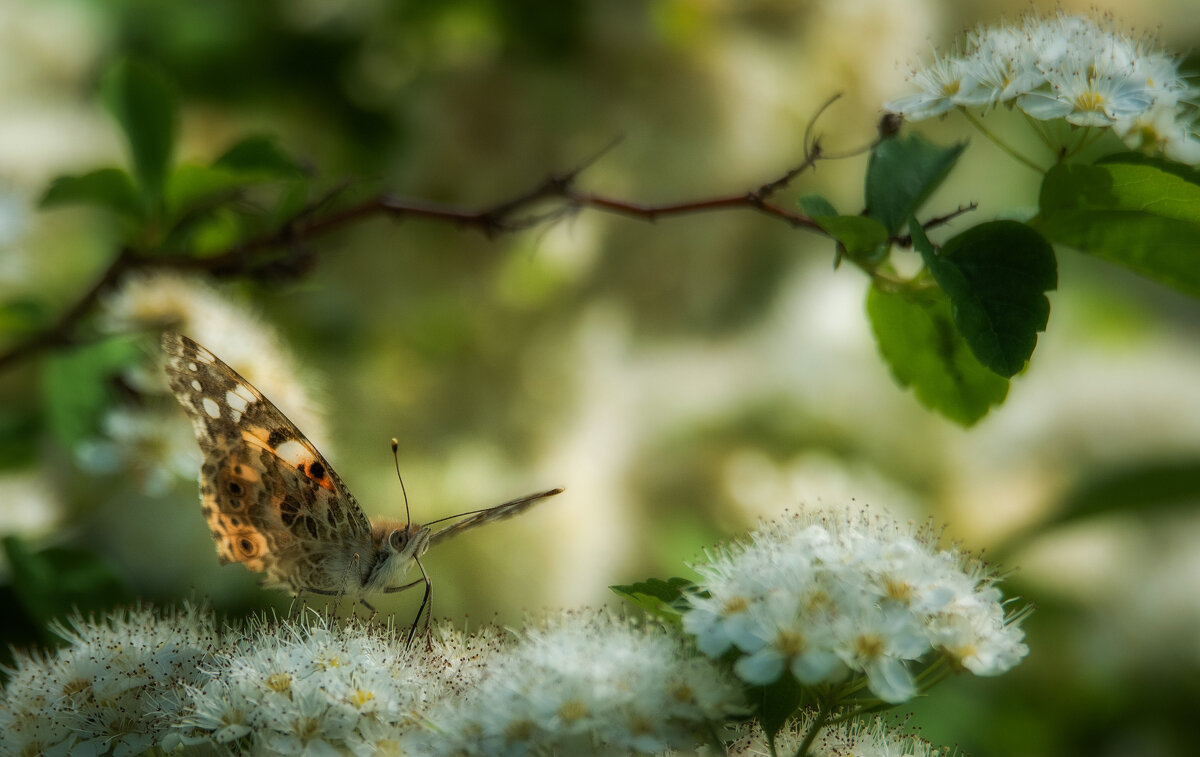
pixel 499 512
pixel 271 500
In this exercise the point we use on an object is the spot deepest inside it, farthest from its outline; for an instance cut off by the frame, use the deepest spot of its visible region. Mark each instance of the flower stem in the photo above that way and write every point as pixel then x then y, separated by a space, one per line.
pixel 978 124
pixel 823 712
pixel 1040 130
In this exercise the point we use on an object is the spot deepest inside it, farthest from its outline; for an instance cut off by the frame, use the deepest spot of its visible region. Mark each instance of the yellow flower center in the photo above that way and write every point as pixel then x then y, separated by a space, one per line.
pixel 1090 100
pixel 572 710
pixel 868 646
pixel 791 644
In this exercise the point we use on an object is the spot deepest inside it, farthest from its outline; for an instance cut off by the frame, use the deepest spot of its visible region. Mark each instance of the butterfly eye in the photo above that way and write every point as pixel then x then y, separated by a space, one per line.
pixel 398 539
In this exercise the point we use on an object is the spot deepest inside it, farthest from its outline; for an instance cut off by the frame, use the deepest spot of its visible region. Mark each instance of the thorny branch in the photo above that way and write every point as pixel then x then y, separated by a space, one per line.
pixel 285 249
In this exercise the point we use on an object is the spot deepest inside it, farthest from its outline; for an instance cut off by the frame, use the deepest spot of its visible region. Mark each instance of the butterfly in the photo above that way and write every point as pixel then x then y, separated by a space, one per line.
pixel 275 505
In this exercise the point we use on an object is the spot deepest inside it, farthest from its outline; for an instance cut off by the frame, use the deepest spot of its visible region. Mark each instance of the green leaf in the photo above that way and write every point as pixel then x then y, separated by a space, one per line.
pixel 816 206
pixel 144 104
pixel 22 315
pixel 861 237
pixel 191 185
pixel 55 582
pixel 19 432
pixel 917 338
pixel 662 599
pixel 775 703
pixel 77 386
pixel 1139 213
pixel 259 156
pixel 218 231
pixel 109 188
pixel 996 275
pixel 864 238
pixel 901 174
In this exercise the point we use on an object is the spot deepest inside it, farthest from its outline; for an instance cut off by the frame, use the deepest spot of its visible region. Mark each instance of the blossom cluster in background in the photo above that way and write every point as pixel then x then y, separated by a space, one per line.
pixel 822 597
pixel 1066 67
pixel 137 441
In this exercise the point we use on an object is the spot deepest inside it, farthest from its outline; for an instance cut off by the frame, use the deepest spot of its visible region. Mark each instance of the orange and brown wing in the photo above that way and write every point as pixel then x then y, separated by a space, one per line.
pixel 271 500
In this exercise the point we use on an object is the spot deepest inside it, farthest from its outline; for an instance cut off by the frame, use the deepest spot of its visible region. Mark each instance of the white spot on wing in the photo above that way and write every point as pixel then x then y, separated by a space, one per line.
pixel 212 408
pixel 196 385
pixel 294 453
pixel 192 366
pixel 238 398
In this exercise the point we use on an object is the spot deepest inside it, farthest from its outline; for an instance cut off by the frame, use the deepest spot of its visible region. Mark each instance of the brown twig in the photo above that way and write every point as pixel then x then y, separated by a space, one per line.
pixel 261 254
pixel 906 239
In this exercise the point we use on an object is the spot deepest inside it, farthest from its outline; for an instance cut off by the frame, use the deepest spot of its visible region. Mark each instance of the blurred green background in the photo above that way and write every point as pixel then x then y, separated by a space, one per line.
pixel 682 379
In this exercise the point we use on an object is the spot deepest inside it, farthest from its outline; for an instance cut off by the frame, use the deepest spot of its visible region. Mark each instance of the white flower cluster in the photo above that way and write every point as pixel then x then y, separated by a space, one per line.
pixel 1067 67
pixel 588 684
pixel 820 597
pixel 140 681
pixel 112 687
pixel 314 688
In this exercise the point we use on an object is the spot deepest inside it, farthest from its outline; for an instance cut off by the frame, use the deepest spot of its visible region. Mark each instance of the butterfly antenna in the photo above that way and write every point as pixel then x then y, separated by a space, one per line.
pixel 396 460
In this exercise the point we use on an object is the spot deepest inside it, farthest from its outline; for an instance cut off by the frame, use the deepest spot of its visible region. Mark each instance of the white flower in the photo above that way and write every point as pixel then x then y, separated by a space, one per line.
pixel 586 683
pixel 1003 64
pixel 1161 129
pixel 1088 90
pixel 309 686
pixel 1064 67
pixel 818 597
pixel 112 687
pixel 947 82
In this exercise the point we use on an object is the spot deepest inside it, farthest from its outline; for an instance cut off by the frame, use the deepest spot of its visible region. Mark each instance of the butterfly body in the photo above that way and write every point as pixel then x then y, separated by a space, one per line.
pixel 275 505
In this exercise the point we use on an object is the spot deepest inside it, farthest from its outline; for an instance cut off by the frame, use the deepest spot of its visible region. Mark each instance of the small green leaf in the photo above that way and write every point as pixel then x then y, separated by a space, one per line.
pixel 816 206
pixel 19 432
pixel 901 174
pixel 996 275
pixel 917 338
pixel 191 185
pixel 144 104
pixel 218 231
pixel 259 156
pixel 1139 213
pixel 775 703
pixel 109 188
pixel 53 583
pixel 22 315
pixel 662 599
pixel 77 386
pixel 861 237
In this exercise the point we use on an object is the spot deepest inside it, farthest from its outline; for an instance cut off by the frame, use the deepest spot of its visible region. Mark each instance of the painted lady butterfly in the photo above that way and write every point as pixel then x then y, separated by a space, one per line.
pixel 272 502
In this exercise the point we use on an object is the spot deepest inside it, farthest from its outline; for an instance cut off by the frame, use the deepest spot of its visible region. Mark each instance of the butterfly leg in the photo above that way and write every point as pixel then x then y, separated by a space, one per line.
pixel 425 600
pixel 322 592
pixel 370 607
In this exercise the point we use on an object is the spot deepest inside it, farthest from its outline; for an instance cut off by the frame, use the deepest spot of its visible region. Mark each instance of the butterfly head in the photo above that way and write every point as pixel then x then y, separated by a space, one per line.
pixel 397 545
